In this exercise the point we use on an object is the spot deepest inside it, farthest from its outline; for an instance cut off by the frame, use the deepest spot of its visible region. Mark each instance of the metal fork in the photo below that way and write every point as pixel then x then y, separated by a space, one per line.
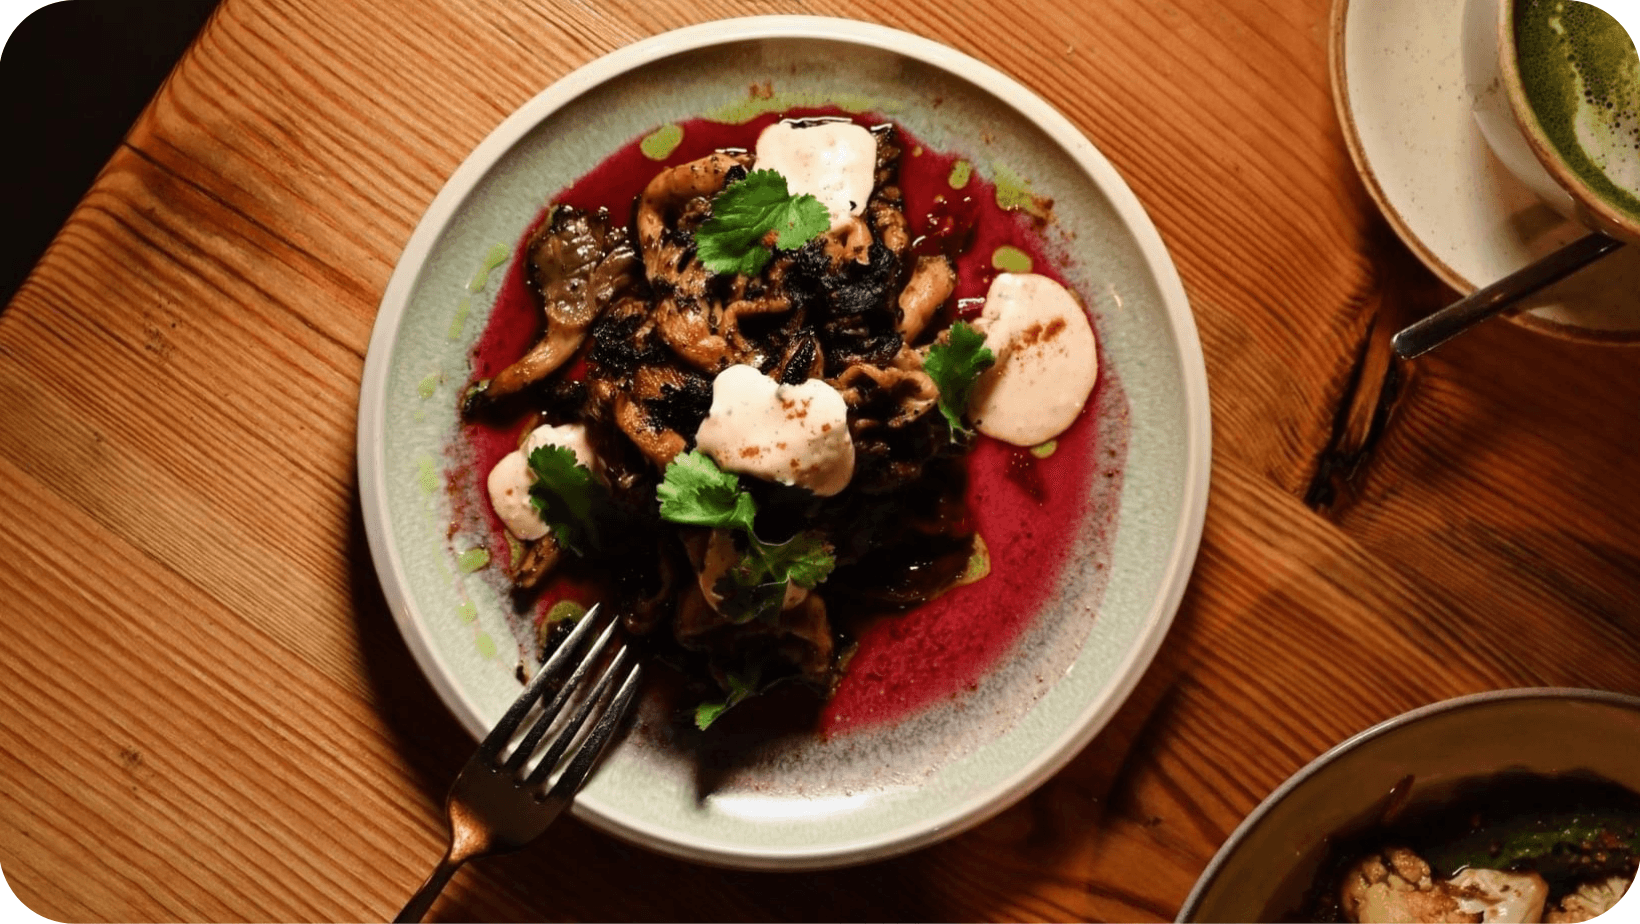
pixel 500 803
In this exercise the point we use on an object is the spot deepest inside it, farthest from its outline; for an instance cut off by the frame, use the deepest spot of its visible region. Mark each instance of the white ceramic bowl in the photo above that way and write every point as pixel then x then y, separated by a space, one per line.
pixel 1511 129
pixel 1407 112
pixel 812 802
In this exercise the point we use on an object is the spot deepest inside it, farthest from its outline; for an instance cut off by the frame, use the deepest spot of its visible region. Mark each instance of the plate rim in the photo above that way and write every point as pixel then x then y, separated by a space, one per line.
pixel 1159 265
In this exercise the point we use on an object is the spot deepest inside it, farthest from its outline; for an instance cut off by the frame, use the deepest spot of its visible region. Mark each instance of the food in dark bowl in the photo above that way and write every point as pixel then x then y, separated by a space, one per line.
pixel 1509 805
pixel 743 413
pixel 1514 847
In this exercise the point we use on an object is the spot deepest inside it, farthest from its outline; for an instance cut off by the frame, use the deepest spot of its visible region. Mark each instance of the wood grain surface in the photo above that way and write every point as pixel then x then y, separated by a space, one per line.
pixel 207 713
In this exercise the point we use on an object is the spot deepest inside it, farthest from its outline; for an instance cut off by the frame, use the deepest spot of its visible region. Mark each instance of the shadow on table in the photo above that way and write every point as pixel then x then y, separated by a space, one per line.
pixel 433 743
pixel 73 78
pixel 1002 868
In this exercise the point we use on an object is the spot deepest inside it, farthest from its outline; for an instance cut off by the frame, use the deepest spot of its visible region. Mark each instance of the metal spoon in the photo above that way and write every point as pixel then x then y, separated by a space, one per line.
pixel 1418 339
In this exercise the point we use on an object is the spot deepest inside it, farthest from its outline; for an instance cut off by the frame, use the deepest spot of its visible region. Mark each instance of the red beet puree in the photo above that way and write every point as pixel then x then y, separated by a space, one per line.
pixel 1025 508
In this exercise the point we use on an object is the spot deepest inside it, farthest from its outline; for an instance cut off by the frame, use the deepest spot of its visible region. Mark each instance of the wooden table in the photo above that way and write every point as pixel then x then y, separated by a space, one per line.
pixel 207 712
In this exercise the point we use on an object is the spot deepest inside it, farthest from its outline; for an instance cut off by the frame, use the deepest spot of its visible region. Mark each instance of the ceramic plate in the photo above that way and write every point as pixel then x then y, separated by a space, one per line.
pixel 867 790
pixel 1398 81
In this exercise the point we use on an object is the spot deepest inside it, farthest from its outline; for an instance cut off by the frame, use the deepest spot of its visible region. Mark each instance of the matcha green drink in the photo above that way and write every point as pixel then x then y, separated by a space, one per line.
pixel 1582 79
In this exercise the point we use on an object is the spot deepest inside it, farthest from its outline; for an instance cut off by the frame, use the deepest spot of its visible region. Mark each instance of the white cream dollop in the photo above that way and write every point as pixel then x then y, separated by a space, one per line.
pixel 792 434
pixel 833 161
pixel 1046 362
pixel 510 480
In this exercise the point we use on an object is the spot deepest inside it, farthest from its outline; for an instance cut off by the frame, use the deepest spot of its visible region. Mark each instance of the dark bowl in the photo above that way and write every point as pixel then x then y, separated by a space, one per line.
pixel 1272 859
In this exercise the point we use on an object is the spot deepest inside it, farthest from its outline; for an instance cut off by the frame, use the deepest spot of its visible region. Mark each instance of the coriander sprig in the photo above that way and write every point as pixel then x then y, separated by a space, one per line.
pixel 696 492
pixel 955 366
pixel 569 497
pixel 753 216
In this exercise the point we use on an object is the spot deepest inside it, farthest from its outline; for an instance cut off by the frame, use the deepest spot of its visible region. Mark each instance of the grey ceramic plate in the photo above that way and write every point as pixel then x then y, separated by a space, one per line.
pixel 808 801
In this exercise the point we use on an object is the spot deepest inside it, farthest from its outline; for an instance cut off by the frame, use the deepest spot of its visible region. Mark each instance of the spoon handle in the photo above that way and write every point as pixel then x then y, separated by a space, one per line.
pixel 1454 319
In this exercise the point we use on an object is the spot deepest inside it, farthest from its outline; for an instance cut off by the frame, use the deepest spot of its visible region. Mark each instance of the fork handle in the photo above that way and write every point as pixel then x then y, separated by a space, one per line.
pixel 416 908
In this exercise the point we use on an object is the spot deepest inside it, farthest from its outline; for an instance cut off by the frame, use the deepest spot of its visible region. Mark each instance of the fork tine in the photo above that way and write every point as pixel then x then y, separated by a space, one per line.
pixel 573 727
pixel 553 709
pixel 581 764
pixel 503 731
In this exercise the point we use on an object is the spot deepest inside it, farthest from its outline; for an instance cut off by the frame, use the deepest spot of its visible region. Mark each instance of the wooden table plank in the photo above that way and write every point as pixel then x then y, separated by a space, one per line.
pixel 210 714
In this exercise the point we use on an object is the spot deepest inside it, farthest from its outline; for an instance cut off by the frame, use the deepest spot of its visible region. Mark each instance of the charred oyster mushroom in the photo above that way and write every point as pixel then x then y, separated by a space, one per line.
pixel 648 611
pixel 578 264
pixel 674 203
pixel 665 402
pixel 932 281
pixel 805 639
pixel 888 159
pixel 894 433
pixel 799 640
pixel 850 307
pixel 690 327
pixel 711 332
pixel 698 312
pixel 539 559
pixel 802 360
pixel 851 242
pixel 887 459
pixel 887 223
pixel 893 396
pixel 920 551
pixel 762 298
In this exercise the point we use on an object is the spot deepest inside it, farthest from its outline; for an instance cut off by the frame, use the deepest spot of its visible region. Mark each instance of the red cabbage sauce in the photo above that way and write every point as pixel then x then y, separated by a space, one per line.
pixel 1025 508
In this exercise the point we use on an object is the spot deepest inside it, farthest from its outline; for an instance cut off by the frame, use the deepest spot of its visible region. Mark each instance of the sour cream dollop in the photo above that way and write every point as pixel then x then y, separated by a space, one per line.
pixel 510 480
pixel 791 434
pixel 834 162
pixel 1046 362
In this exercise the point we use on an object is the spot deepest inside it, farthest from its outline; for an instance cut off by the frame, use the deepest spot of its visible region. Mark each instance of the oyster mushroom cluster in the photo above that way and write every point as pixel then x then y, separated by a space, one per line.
pixel 804 382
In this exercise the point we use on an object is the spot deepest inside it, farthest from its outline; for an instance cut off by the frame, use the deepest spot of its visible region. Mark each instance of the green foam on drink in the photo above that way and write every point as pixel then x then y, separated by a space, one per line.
pixel 1582 80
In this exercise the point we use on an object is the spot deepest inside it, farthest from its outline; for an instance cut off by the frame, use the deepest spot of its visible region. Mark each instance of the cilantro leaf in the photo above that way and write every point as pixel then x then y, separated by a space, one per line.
pixel 740 688
pixel 568 496
pixel 754 587
pixel 744 600
pixel 752 215
pixel 707 713
pixel 805 559
pixel 696 492
pixel 955 366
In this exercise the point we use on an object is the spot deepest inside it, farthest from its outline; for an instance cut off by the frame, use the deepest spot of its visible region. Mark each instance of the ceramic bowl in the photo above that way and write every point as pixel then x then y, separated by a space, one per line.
pixel 1512 130
pixel 1264 868
pixel 1408 116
